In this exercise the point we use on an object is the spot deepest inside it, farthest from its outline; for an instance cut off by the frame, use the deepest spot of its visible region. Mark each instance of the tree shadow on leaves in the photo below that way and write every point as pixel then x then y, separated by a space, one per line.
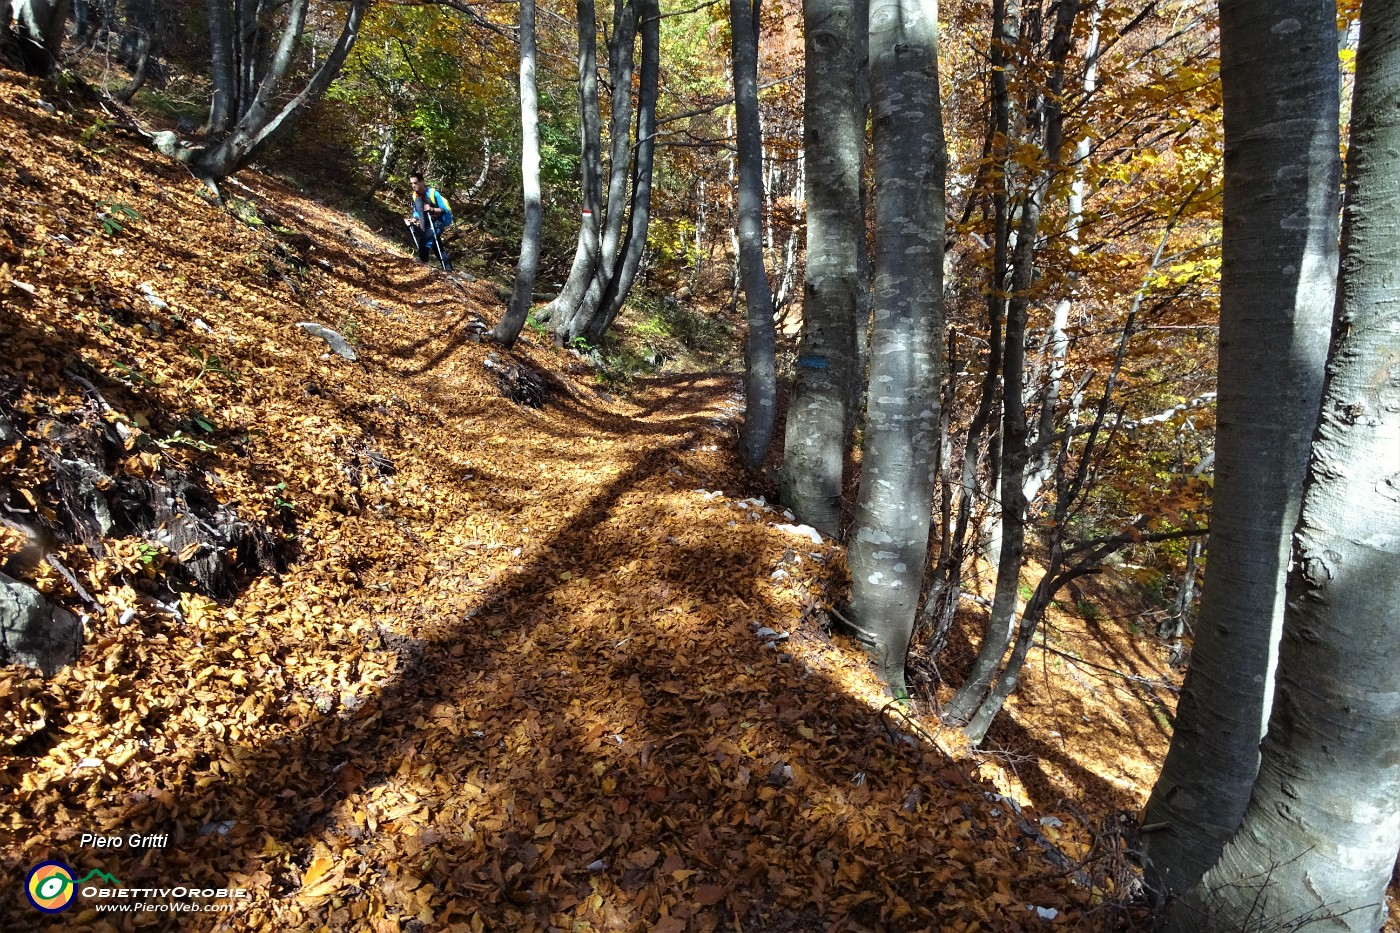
pixel 598 735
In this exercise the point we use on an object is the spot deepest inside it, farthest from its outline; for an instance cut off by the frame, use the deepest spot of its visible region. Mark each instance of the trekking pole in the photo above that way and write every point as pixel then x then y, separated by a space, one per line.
pixel 437 241
pixel 412 225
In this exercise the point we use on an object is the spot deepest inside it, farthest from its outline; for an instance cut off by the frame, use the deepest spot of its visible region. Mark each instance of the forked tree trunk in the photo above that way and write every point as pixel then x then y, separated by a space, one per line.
pixel 814 448
pixel 1002 622
pixel 760 375
pixel 619 286
pixel 1005 29
pixel 260 117
pixel 1323 823
pixel 582 318
pixel 137 41
pixel 621 50
pixel 1280 83
pixel 590 173
pixel 890 543
pixel 511 323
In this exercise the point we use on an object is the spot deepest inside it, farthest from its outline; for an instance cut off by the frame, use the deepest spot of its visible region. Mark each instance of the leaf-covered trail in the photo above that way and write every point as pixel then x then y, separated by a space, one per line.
pixel 576 726
pixel 511 679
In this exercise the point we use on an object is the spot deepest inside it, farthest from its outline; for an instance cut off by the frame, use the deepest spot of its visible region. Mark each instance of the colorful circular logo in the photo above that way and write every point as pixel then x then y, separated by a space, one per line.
pixel 50 887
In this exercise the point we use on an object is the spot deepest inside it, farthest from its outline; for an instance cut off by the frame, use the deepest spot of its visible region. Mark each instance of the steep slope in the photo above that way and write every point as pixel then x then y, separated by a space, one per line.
pixel 492 667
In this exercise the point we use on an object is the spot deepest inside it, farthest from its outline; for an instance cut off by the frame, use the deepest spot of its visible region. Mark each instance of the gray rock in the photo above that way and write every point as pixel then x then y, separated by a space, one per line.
pixel 167 144
pixel 155 301
pixel 35 633
pixel 337 343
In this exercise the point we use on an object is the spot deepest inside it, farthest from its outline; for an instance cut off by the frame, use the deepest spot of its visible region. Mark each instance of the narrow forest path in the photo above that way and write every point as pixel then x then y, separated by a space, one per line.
pixel 514 674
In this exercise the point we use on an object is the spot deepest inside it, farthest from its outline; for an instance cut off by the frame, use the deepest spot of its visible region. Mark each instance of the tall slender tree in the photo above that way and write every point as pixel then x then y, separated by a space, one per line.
pixel 1279 77
pixel 760 374
pixel 890 544
pixel 579 302
pixel 814 448
pixel 1006 16
pixel 1319 838
pixel 621 52
pixel 1045 117
pixel 508 329
pixel 634 243
pixel 590 170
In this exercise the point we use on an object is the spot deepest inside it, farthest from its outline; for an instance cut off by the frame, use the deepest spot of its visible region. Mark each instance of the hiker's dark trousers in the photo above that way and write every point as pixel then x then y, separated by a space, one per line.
pixel 426 249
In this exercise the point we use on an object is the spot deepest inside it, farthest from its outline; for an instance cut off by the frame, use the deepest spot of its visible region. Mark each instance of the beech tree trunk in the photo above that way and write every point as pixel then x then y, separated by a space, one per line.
pixel 137 40
pixel 1323 823
pixel 586 316
pixel 38 28
pixel 1280 80
pixel 508 329
pixel 620 55
pixel 890 544
pixel 814 449
pixel 634 244
pixel 223 101
pixel 561 309
pixel 760 375
pixel 259 117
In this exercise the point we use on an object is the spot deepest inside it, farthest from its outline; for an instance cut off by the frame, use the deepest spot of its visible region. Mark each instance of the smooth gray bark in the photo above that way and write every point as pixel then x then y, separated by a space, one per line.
pixel 583 319
pixel 619 286
pixel 620 54
pixel 1280 81
pixel 814 448
pixel 38 29
pixel 261 116
pixel 590 314
pixel 1323 823
pixel 890 545
pixel 562 308
pixel 760 374
pixel 511 323
pixel 224 94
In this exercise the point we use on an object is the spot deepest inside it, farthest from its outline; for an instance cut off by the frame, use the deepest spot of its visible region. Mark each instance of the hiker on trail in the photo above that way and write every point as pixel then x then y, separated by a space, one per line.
pixel 431 215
